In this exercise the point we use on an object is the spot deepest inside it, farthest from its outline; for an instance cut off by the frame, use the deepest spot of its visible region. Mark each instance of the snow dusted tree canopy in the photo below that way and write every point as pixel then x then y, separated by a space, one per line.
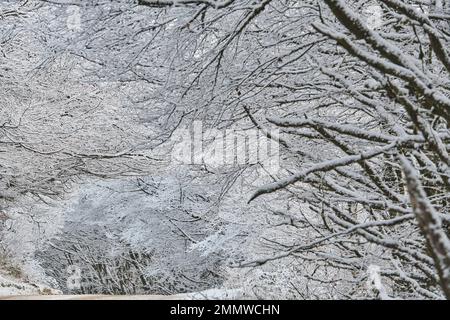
pixel 356 95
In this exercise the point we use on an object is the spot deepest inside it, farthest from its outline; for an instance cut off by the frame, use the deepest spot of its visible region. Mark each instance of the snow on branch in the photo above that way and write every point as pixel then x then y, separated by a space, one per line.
pixel 430 224
pixel 321 167
pixel 164 3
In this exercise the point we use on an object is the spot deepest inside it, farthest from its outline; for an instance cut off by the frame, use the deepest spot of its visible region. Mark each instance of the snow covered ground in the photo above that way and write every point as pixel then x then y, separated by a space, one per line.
pixel 17 289
pixel 10 286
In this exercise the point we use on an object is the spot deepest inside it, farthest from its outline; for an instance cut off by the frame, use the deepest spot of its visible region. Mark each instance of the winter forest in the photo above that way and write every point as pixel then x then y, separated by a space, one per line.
pixel 242 149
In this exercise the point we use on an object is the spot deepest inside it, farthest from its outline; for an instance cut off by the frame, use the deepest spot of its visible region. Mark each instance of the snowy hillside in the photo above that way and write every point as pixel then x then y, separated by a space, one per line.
pixel 10 286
